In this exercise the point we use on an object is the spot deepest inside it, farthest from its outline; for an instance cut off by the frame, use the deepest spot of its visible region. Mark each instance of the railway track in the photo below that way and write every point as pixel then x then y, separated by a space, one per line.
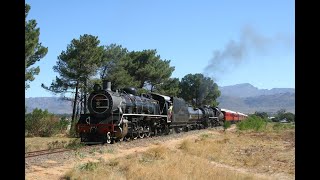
pixel 45 152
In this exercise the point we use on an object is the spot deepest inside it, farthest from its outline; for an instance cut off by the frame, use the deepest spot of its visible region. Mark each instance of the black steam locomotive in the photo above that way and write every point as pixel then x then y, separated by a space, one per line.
pixel 125 115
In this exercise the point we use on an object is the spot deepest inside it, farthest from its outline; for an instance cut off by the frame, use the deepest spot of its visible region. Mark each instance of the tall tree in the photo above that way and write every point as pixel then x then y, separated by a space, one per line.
pixel 113 53
pixel 169 87
pixel 148 68
pixel 161 73
pixel 34 51
pixel 199 90
pixel 208 92
pixel 76 66
pixel 113 67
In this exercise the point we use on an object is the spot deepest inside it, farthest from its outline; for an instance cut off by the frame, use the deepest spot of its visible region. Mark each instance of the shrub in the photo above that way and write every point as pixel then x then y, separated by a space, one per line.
pixel 252 122
pixel 90 166
pixel 41 123
pixel 263 115
pixel 63 124
pixel 226 125
pixel 282 114
pixel 72 132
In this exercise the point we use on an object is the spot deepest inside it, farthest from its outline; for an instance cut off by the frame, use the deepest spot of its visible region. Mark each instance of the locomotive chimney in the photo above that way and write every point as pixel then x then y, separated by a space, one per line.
pixel 109 86
pixel 106 85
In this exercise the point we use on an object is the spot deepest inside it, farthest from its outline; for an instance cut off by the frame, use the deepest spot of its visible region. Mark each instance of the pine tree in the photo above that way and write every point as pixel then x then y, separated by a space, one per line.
pixel 34 51
pixel 113 67
pixel 148 68
pixel 76 66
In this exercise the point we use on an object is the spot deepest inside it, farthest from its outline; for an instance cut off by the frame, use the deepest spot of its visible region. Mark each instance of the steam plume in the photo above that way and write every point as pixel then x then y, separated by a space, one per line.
pixel 250 41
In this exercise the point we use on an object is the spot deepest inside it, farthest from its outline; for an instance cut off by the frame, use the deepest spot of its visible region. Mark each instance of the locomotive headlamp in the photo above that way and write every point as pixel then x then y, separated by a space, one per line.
pixel 96 87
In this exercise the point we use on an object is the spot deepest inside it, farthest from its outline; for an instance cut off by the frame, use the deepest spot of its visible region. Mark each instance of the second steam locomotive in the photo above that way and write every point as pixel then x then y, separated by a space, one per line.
pixel 118 115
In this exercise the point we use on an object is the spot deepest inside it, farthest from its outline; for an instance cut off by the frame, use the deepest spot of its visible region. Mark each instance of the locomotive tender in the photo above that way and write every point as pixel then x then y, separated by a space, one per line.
pixel 117 115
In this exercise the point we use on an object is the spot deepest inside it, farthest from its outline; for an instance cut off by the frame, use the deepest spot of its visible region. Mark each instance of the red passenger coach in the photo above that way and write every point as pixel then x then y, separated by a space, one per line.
pixel 242 116
pixel 233 116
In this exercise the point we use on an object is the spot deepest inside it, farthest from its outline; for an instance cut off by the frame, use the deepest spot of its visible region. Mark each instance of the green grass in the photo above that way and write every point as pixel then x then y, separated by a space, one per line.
pixel 282 126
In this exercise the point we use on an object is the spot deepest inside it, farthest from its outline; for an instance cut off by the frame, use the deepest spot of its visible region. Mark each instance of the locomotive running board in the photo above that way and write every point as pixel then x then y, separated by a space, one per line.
pixel 148 115
pixel 213 117
pixel 144 115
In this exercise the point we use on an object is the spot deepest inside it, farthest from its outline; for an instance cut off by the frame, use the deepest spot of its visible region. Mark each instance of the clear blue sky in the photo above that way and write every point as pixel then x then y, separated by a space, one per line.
pixel 231 41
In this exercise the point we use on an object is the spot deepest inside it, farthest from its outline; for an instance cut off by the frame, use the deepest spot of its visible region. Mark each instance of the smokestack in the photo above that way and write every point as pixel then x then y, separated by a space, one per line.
pixel 106 85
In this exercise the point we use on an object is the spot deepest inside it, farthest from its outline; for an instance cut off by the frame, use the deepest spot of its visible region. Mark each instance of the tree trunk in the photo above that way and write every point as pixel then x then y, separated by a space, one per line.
pixel 81 101
pixel 103 72
pixel 74 105
pixel 85 97
pixel 141 84
pixel 78 109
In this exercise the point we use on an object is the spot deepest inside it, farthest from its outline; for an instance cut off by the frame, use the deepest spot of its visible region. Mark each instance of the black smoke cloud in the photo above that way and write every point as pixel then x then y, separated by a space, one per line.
pixel 235 52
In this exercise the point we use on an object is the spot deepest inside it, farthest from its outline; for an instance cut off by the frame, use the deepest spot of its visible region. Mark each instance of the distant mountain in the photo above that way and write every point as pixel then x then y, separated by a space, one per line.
pixel 53 104
pixel 240 97
pixel 248 99
pixel 248 90
pixel 265 103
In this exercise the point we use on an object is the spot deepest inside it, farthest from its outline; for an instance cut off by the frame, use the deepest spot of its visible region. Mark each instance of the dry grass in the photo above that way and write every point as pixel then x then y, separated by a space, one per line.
pixel 232 154
pixel 156 163
pixel 212 155
pixel 272 152
pixel 42 143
